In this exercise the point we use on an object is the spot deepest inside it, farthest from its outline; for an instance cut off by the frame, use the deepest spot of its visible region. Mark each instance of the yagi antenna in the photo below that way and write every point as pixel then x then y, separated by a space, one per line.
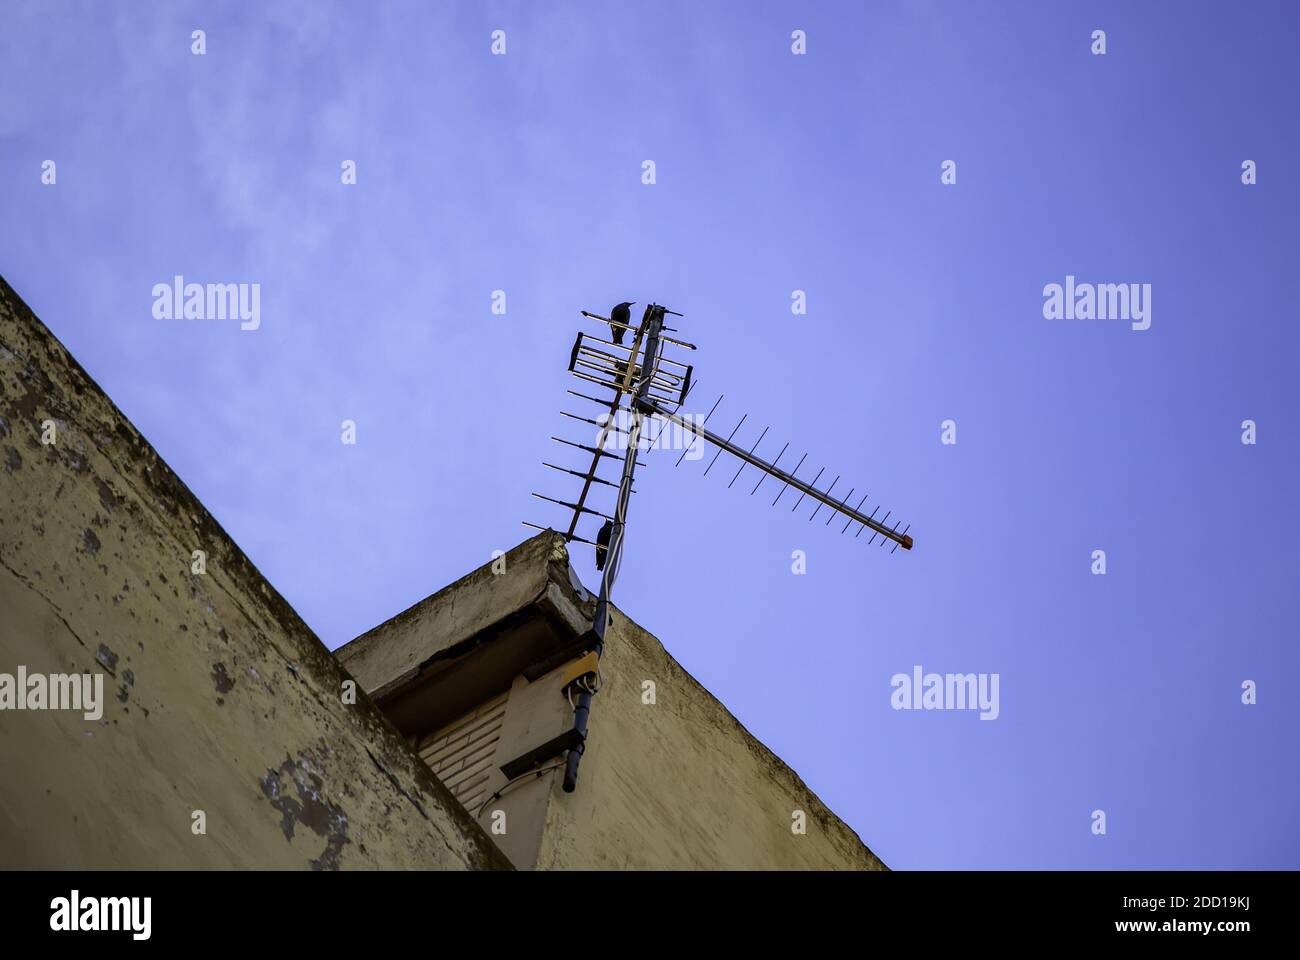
pixel 644 384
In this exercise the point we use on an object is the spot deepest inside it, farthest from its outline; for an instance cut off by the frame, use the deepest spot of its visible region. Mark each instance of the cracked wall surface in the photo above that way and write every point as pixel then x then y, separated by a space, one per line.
pixel 217 697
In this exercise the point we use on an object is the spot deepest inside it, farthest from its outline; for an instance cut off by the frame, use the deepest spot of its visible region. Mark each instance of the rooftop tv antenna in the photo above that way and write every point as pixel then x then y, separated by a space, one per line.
pixel 650 387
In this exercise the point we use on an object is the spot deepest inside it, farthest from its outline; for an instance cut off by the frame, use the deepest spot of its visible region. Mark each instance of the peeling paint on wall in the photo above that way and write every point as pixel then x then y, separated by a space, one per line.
pixel 218 683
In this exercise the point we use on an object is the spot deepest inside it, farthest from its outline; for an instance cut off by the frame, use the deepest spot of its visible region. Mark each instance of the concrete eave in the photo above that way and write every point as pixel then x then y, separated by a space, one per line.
pixel 523 613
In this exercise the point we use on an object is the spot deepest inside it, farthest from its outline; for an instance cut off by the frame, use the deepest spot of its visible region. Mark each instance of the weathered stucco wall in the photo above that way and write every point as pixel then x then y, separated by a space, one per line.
pixel 681 784
pixel 218 698
pixel 677 784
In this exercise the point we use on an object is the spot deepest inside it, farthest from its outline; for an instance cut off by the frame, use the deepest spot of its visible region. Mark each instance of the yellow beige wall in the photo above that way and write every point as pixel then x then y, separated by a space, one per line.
pixel 218 697
pixel 677 784
pixel 680 784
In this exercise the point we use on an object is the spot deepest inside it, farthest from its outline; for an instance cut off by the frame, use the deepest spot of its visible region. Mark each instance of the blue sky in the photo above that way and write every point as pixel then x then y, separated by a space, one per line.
pixel 775 173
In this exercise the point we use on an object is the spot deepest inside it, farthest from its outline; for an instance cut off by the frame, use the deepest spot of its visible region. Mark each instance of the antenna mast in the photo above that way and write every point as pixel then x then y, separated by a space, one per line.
pixel 655 387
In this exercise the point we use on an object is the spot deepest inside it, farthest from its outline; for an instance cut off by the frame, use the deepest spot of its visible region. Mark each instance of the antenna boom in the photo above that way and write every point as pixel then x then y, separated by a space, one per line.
pixel 649 406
